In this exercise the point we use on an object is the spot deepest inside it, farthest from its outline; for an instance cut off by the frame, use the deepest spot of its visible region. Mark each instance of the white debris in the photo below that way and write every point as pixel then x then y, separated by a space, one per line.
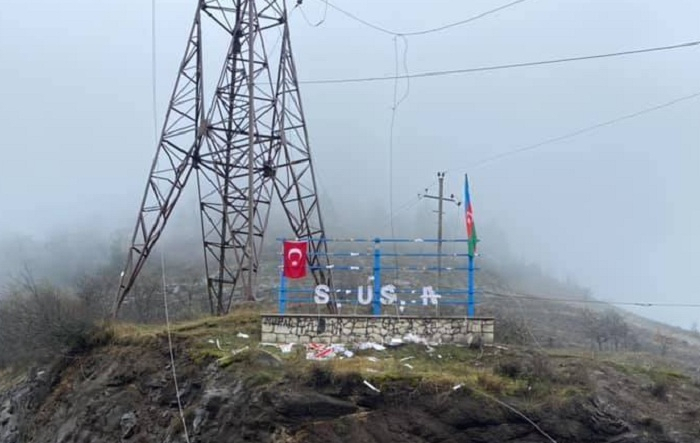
pixel 408 366
pixel 395 342
pixel 286 348
pixel 407 358
pixel 238 351
pixel 457 387
pixel 373 359
pixel 371 345
pixel 413 338
pixel 369 385
pixel 242 335
pixel 339 348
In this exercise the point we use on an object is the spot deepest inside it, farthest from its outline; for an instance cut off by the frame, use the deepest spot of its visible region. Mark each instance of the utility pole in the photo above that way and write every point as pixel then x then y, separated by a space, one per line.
pixel 441 199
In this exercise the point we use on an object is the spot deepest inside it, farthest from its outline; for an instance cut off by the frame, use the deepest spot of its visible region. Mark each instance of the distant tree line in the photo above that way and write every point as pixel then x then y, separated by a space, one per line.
pixel 607 330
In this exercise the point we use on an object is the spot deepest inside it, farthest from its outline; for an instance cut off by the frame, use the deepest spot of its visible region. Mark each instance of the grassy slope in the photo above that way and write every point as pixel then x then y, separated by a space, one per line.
pixel 533 373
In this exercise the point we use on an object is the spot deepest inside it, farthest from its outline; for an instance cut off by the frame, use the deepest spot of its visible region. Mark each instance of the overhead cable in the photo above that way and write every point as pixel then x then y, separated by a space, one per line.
pixel 582 131
pixel 424 31
pixel 522 296
pixel 502 67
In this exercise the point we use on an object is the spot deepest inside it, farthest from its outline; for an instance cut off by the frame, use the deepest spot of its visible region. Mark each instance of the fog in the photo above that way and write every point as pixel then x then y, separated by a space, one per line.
pixel 615 208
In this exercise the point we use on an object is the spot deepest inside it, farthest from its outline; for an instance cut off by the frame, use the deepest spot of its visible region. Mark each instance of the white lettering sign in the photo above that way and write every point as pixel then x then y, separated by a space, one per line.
pixel 387 295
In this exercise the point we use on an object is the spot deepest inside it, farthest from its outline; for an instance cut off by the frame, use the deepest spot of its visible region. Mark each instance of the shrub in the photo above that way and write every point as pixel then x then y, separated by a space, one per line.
pixel 659 389
pixel 39 323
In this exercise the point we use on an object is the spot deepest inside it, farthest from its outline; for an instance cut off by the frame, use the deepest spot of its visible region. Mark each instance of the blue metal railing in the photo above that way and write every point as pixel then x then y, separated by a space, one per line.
pixel 450 297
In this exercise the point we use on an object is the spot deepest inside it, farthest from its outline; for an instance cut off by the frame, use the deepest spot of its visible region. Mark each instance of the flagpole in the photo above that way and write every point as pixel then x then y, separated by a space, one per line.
pixel 470 277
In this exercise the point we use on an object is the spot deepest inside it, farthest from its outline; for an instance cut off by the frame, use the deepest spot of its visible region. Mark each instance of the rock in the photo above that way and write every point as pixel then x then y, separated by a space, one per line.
pixel 264 358
pixel 199 417
pixel 297 405
pixel 128 424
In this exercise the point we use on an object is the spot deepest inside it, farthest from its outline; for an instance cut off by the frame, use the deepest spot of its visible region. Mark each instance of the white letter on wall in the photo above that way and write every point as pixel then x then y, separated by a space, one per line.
pixel 364 299
pixel 321 296
pixel 388 295
pixel 429 295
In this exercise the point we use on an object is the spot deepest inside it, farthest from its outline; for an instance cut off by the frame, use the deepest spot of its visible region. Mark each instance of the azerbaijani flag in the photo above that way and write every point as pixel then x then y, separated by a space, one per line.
pixel 471 228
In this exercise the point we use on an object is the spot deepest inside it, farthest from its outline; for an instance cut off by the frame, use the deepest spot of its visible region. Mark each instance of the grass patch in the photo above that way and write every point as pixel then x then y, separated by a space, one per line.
pixel 445 367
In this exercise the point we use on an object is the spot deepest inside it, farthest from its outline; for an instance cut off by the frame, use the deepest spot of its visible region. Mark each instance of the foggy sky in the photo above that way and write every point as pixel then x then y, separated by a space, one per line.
pixel 616 209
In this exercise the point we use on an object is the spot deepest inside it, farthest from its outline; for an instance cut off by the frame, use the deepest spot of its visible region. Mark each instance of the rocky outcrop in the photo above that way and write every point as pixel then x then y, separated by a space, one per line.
pixel 125 394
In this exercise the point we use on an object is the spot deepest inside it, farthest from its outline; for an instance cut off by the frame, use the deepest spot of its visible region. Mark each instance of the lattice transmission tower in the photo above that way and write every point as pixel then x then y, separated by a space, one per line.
pixel 247 148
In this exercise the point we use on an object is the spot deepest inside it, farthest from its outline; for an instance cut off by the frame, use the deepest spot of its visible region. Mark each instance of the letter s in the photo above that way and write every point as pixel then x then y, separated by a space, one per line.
pixel 321 296
pixel 388 294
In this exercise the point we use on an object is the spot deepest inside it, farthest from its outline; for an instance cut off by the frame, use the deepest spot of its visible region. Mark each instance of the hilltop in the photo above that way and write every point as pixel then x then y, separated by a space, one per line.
pixel 118 387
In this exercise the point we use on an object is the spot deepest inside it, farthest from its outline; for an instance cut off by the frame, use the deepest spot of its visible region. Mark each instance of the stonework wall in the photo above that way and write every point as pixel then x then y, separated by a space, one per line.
pixel 296 328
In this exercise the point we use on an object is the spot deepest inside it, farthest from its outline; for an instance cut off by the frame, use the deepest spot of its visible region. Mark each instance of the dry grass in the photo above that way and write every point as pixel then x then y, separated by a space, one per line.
pixel 412 365
pixel 244 321
pixel 10 377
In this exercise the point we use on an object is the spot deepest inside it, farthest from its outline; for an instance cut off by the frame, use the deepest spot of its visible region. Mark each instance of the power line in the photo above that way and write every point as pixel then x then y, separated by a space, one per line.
pixel 360 20
pixel 464 22
pixel 424 31
pixel 584 130
pixel 306 19
pixel 162 254
pixel 523 296
pixel 502 67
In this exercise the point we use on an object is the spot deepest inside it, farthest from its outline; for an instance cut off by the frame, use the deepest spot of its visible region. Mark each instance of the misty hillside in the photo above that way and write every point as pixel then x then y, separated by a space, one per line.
pixel 579 369
pixel 179 180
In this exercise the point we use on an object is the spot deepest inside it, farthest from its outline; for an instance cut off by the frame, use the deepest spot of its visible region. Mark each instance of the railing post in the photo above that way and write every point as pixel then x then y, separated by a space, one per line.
pixel 470 303
pixel 377 298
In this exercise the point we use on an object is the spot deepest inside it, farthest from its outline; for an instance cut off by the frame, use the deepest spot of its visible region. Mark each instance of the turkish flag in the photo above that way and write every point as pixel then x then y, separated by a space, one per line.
pixel 295 257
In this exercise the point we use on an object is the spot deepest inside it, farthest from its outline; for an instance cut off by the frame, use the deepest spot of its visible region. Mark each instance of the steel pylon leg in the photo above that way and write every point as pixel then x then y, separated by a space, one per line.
pixel 177 152
pixel 295 181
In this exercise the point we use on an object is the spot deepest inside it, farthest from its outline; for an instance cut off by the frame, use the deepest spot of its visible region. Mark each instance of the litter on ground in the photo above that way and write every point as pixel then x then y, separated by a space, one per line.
pixel 238 351
pixel 372 387
pixel 318 351
pixel 286 348
pixel 371 345
pixel 395 342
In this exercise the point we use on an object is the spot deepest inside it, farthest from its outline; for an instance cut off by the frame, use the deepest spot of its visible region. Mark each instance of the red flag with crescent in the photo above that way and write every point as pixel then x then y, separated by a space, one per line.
pixel 295 257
